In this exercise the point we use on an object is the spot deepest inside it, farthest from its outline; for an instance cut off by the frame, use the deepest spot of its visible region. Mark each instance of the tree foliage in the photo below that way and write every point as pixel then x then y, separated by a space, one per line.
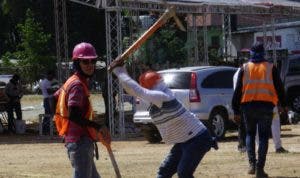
pixel 29 35
pixel 32 52
pixel 165 47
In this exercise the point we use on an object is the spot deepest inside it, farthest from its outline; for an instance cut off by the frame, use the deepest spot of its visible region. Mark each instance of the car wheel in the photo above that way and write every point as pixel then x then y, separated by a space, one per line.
pixel 217 123
pixel 151 133
pixel 296 103
pixel 294 117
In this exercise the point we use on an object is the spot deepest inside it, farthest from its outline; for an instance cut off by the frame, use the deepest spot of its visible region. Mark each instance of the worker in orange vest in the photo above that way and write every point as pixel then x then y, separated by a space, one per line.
pixel 74 115
pixel 259 88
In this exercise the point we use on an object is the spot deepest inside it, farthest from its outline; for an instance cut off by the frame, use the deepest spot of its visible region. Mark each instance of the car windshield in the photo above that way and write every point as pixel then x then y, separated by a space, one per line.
pixel 294 67
pixel 177 80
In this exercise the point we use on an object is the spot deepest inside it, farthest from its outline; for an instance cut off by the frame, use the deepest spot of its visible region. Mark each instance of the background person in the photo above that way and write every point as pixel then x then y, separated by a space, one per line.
pixel 241 122
pixel 176 125
pixel 74 114
pixel 14 92
pixel 276 136
pixel 104 91
pixel 259 89
pixel 276 133
pixel 48 86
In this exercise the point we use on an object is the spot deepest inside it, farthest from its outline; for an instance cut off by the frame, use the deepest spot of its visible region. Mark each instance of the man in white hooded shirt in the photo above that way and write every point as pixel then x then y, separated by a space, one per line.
pixel 48 86
pixel 176 125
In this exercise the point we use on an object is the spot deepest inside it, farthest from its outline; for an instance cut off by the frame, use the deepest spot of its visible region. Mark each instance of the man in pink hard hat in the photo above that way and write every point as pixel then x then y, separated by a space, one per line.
pixel 74 114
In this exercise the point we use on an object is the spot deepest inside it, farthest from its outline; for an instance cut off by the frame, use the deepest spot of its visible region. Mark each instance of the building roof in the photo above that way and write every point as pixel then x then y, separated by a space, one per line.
pixel 288 7
pixel 259 28
pixel 295 3
pixel 221 6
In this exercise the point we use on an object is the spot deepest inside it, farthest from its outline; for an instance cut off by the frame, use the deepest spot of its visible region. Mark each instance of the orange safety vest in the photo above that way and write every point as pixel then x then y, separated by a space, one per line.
pixel 61 116
pixel 258 83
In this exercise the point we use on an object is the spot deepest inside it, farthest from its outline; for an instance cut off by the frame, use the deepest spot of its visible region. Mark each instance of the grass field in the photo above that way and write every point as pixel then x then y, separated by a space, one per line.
pixel 31 156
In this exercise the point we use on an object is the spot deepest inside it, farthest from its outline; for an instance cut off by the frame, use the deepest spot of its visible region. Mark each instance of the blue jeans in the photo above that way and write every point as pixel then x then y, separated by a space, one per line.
pixel 81 155
pixel 184 158
pixel 261 119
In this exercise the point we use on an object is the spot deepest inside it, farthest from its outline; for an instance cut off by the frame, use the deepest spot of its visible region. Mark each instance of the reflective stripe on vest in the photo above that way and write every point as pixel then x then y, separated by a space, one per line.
pixel 258 83
pixel 62 114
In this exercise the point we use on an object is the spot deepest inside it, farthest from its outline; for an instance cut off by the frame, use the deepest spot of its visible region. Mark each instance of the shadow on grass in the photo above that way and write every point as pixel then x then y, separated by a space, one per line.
pixel 289 135
pixel 30 138
pixel 232 138
pixel 284 177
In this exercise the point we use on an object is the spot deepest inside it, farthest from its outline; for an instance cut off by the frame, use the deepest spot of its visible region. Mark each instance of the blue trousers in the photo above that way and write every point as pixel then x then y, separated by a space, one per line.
pixel 261 119
pixel 184 158
pixel 81 155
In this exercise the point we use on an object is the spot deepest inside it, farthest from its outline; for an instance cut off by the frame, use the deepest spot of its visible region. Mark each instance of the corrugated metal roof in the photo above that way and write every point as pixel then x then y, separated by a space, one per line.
pixel 295 3
pixel 259 28
pixel 277 7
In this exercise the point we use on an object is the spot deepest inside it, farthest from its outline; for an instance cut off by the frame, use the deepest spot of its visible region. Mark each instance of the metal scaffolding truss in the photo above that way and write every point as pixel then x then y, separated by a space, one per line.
pixel 114 48
pixel 192 34
pixel 226 29
pixel 61 37
pixel 114 10
pixel 199 47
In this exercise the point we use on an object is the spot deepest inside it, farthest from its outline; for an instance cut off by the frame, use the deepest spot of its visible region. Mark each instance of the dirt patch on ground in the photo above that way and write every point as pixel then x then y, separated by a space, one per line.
pixel 30 155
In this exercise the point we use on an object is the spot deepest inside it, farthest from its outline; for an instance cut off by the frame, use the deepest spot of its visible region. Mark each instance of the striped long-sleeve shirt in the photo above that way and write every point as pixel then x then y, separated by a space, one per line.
pixel 174 122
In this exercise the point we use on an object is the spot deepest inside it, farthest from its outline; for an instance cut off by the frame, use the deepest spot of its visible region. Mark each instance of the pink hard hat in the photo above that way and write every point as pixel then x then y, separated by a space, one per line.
pixel 84 51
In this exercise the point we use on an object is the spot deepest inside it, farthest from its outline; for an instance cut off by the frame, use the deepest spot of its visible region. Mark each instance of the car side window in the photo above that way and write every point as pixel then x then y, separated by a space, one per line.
pixel 220 79
pixel 294 67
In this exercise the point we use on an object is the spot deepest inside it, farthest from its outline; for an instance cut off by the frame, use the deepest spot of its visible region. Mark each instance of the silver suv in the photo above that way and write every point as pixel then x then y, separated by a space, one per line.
pixel 290 74
pixel 204 90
